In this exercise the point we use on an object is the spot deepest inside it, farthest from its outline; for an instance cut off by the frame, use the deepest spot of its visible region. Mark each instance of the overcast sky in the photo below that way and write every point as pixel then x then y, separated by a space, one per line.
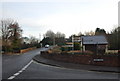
pixel 69 17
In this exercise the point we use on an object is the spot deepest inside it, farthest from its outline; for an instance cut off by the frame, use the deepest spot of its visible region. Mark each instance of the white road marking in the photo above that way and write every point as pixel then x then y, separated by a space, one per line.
pixel 20 71
pixel 11 77
pixel 16 74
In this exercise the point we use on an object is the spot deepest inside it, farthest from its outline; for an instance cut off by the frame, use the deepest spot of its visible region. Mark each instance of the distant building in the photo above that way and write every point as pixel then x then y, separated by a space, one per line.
pixel 76 39
pixel 26 40
pixel 68 44
pixel 67 47
pixel 97 44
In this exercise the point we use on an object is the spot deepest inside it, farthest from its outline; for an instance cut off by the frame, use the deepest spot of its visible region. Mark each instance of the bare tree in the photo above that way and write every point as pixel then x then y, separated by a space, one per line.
pixel 6 30
pixel 80 34
pixel 11 33
pixel 90 33
pixel 60 35
pixel 33 40
pixel 50 34
pixel 53 39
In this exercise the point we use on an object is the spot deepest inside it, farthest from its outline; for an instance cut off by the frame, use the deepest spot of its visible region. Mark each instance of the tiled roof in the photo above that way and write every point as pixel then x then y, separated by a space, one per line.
pixel 94 40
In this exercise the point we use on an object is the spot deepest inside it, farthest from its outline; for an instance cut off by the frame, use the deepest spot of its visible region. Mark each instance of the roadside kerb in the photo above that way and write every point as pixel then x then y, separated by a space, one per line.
pixel 42 60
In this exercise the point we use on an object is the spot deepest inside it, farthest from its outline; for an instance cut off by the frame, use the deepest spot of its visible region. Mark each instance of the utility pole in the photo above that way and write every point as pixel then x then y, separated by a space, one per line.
pixel 40 40
pixel 54 40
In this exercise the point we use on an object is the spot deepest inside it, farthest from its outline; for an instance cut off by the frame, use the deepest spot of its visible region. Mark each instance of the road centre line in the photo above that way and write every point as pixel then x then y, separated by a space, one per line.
pixel 20 71
pixel 16 74
pixel 11 77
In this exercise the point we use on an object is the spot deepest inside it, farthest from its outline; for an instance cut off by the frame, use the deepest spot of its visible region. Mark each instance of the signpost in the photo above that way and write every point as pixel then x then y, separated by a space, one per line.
pixel 98 60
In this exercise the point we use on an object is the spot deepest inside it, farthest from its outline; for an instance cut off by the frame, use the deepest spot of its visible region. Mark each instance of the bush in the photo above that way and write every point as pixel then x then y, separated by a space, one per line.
pixel 76 46
pixel 55 50
pixel 16 50
pixel 80 52
pixel 6 49
pixel 64 48
pixel 88 52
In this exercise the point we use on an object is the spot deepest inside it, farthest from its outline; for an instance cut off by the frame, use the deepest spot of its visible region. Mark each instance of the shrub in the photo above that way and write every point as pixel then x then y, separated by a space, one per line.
pixel 80 52
pixel 55 50
pixel 76 46
pixel 64 48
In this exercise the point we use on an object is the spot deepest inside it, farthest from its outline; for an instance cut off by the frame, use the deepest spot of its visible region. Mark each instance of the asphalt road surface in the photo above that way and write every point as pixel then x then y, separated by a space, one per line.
pixel 41 71
pixel 23 67
pixel 13 63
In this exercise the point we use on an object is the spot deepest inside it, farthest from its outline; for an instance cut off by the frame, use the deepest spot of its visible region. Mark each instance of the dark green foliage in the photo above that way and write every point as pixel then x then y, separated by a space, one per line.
pixel 76 46
pixel 15 37
pixel 53 39
pixel 47 40
pixel 99 31
pixel 69 48
pixel 60 41
pixel 70 39
pixel 66 48
pixel 114 39
pixel 11 35
pixel 6 48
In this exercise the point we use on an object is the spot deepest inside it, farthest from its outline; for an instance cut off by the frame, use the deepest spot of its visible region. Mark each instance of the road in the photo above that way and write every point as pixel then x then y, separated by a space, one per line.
pixel 41 71
pixel 23 67
pixel 13 63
